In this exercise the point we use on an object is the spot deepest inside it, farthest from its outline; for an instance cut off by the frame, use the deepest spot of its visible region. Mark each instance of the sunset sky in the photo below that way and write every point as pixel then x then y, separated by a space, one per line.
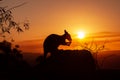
pixel 99 19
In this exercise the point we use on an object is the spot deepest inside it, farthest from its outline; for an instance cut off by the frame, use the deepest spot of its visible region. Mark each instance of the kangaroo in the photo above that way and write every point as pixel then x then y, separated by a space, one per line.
pixel 52 42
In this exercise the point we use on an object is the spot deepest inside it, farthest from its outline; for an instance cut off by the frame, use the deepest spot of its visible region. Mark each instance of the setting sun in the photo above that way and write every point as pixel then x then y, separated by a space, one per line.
pixel 81 34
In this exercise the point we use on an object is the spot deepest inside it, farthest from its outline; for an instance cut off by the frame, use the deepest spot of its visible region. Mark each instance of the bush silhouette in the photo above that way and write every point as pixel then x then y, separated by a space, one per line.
pixel 5 47
pixel 11 59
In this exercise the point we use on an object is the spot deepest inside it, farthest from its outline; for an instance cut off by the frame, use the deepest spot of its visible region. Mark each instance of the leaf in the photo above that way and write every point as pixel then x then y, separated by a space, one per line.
pixel 3 10
pixel 26 25
pixel 3 30
pixel 13 23
pixel 19 29
pixel 0 20
pixel 8 31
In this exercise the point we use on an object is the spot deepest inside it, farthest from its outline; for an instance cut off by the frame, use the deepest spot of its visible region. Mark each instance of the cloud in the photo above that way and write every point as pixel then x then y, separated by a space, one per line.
pixel 103 35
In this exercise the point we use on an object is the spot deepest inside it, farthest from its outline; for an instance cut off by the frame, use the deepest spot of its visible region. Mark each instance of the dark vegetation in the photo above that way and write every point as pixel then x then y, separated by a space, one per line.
pixel 7 23
pixel 64 64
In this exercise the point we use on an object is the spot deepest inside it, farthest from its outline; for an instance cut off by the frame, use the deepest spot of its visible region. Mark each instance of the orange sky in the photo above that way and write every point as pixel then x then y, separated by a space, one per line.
pixel 98 18
pixel 111 41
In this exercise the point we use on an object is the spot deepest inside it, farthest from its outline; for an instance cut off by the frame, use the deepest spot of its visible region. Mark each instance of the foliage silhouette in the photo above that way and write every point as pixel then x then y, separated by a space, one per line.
pixel 95 49
pixel 11 60
pixel 5 47
pixel 7 22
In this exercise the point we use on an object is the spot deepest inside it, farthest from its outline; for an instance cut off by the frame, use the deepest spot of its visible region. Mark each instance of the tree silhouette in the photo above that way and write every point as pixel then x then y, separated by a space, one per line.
pixel 7 22
pixel 11 59
pixel 95 49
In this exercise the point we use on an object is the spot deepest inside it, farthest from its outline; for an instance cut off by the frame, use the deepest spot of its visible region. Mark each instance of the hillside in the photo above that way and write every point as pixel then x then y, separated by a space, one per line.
pixel 64 64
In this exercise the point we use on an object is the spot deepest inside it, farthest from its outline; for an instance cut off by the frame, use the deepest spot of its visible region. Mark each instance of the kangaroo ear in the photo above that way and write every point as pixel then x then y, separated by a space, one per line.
pixel 65 31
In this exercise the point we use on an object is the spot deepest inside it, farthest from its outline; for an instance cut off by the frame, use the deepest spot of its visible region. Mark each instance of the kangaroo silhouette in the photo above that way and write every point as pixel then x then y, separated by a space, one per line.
pixel 52 42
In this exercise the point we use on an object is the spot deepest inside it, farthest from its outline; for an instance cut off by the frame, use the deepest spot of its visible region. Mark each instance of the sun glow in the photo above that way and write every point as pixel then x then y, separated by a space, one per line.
pixel 81 35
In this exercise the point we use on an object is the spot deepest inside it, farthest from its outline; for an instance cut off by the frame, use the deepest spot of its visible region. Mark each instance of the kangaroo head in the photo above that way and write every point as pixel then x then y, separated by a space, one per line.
pixel 67 36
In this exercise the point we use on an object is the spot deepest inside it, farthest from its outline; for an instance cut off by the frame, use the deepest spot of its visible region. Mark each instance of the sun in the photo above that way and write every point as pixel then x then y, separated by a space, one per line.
pixel 81 35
